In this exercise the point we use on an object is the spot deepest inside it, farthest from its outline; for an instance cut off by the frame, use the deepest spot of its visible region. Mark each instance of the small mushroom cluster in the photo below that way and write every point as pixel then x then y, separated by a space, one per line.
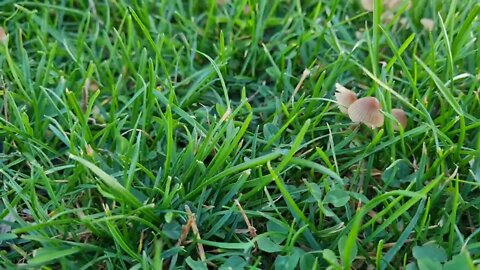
pixel 365 110
pixel 390 7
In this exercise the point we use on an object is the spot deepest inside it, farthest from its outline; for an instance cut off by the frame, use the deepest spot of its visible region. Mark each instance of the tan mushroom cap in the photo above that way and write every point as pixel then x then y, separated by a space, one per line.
pixel 387 17
pixel 428 24
pixel 387 4
pixel 367 4
pixel 344 97
pixel 392 4
pixel 401 117
pixel 366 110
pixel 222 2
pixel 3 35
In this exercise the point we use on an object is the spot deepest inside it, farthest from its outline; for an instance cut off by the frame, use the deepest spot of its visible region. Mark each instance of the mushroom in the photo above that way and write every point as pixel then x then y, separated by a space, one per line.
pixel 401 117
pixel 3 35
pixel 344 97
pixel 387 4
pixel 366 110
pixel 387 17
pixel 222 2
pixel 392 4
pixel 428 24
pixel 367 4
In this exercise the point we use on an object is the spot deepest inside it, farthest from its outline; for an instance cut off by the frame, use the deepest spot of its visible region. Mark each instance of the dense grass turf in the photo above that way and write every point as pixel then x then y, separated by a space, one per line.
pixel 201 134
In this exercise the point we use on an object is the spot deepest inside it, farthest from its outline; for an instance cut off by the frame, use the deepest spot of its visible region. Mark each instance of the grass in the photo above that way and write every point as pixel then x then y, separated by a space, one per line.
pixel 185 134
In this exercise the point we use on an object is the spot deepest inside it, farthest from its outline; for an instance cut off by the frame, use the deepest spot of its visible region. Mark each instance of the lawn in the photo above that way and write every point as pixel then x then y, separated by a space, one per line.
pixel 185 134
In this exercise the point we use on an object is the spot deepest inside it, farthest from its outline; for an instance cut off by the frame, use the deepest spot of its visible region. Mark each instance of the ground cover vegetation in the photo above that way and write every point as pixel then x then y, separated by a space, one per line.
pixel 279 134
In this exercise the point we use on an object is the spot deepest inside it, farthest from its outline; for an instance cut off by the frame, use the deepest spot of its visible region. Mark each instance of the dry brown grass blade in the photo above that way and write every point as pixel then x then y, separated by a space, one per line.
pixel 185 231
pixel 252 231
pixel 85 95
pixel 305 74
pixel 196 233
